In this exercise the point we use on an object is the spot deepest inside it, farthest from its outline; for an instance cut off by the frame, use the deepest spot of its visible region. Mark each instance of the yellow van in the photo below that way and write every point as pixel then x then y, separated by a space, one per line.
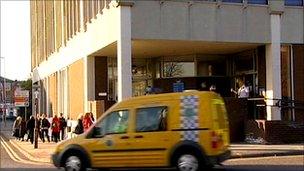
pixel 188 131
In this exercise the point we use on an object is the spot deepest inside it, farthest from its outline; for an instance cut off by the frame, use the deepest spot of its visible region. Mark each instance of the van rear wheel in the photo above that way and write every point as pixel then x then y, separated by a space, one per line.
pixel 187 162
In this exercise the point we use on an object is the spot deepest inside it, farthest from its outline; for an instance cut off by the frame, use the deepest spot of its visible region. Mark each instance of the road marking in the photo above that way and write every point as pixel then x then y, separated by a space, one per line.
pixel 26 154
pixel 262 158
pixel 14 156
pixel 8 152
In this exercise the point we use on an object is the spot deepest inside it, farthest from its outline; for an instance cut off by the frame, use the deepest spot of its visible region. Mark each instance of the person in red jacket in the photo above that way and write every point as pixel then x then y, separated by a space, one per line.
pixel 87 121
pixel 56 128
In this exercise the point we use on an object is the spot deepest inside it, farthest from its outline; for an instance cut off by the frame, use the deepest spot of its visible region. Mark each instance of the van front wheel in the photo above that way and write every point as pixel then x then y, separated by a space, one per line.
pixel 187 162
pixel 74 163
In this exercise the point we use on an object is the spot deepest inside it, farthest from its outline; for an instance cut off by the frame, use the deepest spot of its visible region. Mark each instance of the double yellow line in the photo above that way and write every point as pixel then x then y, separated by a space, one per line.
pixel 14 156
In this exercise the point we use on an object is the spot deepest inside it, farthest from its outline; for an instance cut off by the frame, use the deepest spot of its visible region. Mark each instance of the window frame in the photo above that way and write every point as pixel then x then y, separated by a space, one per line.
pixel 105 118
pixel 163 107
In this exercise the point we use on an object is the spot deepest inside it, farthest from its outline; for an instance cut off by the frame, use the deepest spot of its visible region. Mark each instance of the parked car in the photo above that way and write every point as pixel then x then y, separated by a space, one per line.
pixel 188 131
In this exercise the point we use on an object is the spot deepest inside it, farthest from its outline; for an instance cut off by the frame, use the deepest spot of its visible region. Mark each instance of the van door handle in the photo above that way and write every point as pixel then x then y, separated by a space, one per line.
pixel 138 136
pixel 124 137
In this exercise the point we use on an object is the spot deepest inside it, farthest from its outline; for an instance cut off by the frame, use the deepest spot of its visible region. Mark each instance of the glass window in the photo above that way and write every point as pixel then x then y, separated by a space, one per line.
pixel 114 123
pixel 179 69
pixel 263 2
pixel 244 62
pixel 294 2
pixel 151 119
pixel 234 1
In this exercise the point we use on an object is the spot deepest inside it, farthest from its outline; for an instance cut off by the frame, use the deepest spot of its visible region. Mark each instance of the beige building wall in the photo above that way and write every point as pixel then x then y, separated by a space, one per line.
pixel 64 33
pixel 76 89
pixel 213 21
pixel 53 94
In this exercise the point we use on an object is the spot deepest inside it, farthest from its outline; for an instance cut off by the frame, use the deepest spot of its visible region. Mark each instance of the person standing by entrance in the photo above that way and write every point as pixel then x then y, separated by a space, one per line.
pixel 63 125
pixel 243 91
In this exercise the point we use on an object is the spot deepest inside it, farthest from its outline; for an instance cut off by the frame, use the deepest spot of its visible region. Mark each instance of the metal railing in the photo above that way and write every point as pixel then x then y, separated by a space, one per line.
pixel 282 103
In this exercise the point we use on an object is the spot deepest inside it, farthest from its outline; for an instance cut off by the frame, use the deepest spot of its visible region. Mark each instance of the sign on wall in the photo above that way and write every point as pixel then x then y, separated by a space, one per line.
pixel 22 98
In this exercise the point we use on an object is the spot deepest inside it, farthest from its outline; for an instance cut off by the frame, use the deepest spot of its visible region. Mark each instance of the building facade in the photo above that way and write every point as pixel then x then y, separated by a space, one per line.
pixel 87 55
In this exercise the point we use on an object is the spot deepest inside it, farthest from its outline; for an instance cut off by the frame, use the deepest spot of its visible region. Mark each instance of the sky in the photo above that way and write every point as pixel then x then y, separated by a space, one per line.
pixel 15 39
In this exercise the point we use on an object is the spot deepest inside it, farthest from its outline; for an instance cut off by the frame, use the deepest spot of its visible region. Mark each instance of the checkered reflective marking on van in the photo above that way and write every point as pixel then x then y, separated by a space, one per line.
pixel 190 135
pixel 189 117
pixel 189 122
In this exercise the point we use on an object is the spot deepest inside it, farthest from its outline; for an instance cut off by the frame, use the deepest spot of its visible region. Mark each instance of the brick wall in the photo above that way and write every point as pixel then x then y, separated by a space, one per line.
pixel 276 132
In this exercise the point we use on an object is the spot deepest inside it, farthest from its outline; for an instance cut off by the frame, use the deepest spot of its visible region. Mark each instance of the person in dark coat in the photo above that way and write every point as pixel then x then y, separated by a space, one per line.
pixel 38 126
pixel 22 129
pixel 63 125
pixel 45 125
pixel 79 127
pixel 30 126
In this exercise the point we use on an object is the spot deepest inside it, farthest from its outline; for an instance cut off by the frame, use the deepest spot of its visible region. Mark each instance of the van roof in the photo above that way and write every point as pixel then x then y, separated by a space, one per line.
pixel 166 96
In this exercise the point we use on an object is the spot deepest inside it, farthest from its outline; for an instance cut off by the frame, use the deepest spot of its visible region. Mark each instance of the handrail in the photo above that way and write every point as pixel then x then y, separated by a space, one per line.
pixel 282 103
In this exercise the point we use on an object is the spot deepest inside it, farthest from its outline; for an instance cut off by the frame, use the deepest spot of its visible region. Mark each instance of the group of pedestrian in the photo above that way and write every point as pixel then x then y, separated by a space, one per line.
pixel 57 126
pixel 84 122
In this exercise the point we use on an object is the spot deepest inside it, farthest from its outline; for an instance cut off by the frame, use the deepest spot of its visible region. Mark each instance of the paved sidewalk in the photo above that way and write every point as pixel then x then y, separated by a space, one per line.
pixel 258 150
pixel 44 151
pixel 41 154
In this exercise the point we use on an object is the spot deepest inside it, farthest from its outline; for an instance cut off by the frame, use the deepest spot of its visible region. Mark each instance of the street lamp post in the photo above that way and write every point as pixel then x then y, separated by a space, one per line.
pixel 4 91
pixel 36 93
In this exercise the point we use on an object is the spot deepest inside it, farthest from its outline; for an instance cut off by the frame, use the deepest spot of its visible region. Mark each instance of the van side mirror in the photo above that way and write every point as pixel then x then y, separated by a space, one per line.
pixel 97 132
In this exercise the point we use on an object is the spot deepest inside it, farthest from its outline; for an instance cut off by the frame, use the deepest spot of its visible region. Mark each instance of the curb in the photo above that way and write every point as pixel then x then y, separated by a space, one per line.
pixel 237 156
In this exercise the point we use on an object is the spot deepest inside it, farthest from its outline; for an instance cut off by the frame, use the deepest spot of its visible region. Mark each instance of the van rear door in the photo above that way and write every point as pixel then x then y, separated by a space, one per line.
pixel 220 136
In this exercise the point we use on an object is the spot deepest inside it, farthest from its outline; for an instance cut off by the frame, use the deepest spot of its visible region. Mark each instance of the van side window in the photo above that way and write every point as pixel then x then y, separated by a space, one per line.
pixel 151 119
pixel 114 123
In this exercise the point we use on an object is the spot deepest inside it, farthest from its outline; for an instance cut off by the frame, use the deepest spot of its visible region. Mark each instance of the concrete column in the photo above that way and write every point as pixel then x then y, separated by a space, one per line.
pixel 91 78
pixel 124 56
pixel 89 81
pixel 85 84
pixel 58 92
pixel 273 68
pixel 81 16
pixel 47 97
pixel 65 92
pixel 63 32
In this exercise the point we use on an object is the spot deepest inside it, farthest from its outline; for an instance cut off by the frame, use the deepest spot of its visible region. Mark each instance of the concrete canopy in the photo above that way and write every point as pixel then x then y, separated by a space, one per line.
pixel 158 48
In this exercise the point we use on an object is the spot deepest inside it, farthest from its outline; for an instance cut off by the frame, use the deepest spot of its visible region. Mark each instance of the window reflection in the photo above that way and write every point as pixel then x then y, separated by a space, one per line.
pixel 114 123
pixel 151 119
pixel 178 69
pixel 294 2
